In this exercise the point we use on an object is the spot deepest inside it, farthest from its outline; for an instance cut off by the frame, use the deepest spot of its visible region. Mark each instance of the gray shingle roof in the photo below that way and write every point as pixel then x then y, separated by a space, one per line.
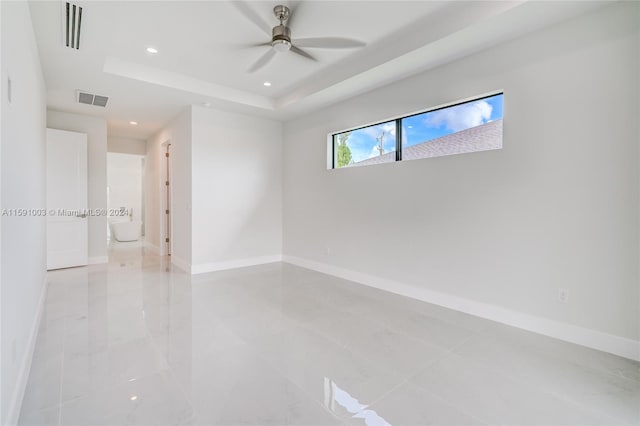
pixel 480 138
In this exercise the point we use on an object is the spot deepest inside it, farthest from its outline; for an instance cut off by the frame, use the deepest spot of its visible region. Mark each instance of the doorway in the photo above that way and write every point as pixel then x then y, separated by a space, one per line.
pixel 125 200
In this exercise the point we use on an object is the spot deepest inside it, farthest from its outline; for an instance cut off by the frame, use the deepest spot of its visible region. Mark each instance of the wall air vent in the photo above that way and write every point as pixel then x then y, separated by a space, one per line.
pixel 91 99
pixel 73 24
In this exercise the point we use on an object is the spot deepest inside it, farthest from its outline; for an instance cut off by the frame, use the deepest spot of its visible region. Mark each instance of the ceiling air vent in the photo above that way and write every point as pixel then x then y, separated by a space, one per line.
pixel 91 99
pixel 73 23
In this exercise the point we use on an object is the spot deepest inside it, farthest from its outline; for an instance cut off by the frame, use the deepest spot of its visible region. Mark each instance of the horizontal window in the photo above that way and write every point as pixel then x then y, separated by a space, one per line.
pixel 457 129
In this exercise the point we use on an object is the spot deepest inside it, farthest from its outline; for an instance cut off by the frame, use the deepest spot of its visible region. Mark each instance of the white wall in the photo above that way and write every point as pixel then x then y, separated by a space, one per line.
pixel 96 130
pixel 178 133
pixel 237 190
pixel 22 173
pixel 124 178
pixel 126 146
pixel 557 207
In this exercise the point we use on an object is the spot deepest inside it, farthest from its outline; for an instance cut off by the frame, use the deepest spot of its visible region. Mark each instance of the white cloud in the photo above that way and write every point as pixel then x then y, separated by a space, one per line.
pixel 375 131
pixel 461 117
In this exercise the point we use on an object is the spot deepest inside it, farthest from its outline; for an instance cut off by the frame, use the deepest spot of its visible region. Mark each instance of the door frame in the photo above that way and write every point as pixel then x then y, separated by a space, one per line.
pixel 166 195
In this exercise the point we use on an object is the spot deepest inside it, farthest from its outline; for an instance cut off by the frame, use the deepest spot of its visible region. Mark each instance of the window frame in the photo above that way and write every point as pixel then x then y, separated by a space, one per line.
pixel 398 122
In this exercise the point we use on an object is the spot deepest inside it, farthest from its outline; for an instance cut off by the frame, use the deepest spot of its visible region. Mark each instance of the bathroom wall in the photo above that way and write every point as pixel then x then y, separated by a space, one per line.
pixel 124 182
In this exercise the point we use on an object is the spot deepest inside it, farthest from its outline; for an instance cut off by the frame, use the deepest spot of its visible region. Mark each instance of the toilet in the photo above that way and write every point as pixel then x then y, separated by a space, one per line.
pixel 124 229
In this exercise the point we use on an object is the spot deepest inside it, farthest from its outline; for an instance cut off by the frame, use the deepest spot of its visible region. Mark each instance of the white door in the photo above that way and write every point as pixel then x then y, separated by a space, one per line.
pixel 67 223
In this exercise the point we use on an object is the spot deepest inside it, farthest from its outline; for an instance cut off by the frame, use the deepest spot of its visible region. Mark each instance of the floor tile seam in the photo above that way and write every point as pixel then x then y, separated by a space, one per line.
pixel 114 385
pixel 421 339
pixel 596 369
pixel 450 404
pixel 170 369
pixel 447 354
pixel 381 397
pixel 64 352
pixel 281 373
pixel 320 405
pixel 514 377
pixel 183 393
pixel 591 368
pixel 522 380
pixel 105 389
pixel 148 336
pixel 589 408
pixel 284 376
pixel 345 348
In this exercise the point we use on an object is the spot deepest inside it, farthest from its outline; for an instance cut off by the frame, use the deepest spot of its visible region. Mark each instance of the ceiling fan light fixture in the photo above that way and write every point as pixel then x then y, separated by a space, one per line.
pixel 281 45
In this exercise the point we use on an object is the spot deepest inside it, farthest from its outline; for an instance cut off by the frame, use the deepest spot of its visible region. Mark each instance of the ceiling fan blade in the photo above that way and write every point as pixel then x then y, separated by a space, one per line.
pixel 252 16
pixel 262 61
pixel 301 52
pixel 329 42
pixel 259 44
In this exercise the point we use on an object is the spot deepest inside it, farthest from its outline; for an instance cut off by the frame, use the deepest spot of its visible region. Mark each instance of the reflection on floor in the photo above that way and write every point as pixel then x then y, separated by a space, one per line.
pixel 140 342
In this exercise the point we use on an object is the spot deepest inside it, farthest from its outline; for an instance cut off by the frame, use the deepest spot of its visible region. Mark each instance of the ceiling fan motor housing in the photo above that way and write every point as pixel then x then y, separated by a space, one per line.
pixel 281 37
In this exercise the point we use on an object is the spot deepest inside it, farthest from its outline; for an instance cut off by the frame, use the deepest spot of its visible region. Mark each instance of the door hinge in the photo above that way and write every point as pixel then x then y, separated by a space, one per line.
pixel 167 183
pixel 166 154
pixel 166 240
pixel 166 211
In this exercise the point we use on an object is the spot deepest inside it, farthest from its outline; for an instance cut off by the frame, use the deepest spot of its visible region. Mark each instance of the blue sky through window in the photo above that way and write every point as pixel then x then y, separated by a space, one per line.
pixel 431 125
pixel 367 142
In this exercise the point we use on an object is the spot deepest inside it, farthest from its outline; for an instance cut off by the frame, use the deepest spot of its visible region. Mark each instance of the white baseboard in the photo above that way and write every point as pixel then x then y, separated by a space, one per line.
pixel 594 339
pixel 152 248
pixel 232 264
pixel 25 365
pixel 181 263
pixel 98 259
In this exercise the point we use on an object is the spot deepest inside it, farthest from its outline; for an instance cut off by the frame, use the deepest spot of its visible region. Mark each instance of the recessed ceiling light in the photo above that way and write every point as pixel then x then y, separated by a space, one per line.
pixel 207 104
pixel 152 50
pixel 133 123
pixel 267 83
pixel 133 398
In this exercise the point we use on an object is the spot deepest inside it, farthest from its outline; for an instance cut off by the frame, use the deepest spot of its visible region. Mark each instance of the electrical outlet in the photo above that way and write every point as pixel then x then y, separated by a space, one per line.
pixel 563 295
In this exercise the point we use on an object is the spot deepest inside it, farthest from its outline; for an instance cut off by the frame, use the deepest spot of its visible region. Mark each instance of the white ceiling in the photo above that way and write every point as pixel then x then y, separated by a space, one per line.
pixel 203 55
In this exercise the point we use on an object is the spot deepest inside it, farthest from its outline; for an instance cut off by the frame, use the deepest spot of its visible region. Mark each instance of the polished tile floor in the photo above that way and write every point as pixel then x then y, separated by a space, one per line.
pixel 139 342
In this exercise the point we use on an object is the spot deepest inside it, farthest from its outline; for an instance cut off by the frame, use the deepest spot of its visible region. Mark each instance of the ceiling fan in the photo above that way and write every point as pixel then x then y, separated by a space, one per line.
pixel 281 36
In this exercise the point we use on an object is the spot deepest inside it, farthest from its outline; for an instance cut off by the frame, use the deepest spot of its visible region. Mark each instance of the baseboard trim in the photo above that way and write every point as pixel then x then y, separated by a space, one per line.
pixel 98 260
pixel 25 366
pixel 594 339
pixel 203 268
pixel 152 248
pixel 181 263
